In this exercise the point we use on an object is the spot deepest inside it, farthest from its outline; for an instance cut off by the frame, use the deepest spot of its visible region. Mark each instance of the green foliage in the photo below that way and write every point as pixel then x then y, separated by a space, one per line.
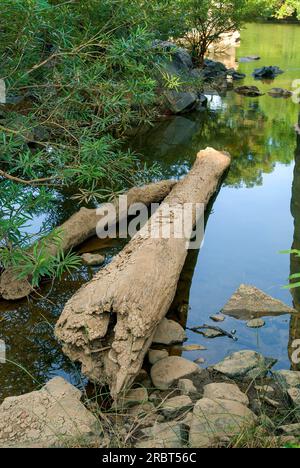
pixel 79 75
pixel 207 20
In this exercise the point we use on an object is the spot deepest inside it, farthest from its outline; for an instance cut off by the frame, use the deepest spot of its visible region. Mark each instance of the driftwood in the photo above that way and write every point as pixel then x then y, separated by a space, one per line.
pixel 80 227
pixel 124 303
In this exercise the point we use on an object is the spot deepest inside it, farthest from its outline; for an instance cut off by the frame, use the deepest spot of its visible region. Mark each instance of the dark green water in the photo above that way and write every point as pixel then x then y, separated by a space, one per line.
pixel 256 214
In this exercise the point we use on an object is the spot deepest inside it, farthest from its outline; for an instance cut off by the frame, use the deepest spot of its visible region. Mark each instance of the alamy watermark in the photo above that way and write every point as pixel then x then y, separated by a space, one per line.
pixel 166 221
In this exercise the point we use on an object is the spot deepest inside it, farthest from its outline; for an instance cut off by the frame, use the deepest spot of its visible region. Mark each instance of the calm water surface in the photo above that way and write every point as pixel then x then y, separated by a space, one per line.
pixel 256 215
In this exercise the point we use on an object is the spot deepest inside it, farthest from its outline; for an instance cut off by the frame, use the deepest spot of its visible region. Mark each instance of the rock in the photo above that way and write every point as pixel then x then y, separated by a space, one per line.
pixel 267 72
pixel 235 75
pixel 131 398
pixel 92 259
pixel 214 421
pixel 249 58
pixel 225 391
pixel 186 387
pixel 280 92
pixel 217 318
pixel 142 409
pixel 290 429
pixel 250 91
pixel 164 435
pixel 211 333
pixel 269 401
pixel 294 394
pixel 244 364
pixel 156 355
pixel 264 389
pixel 179 102
pixel 249 302
pixel 165 372
pixel 199 360
pixel 50 417
pixel 181 61
pixel 193 347
pixel 169 332
pixel 256 323
pixel 287 379
pixel 173 406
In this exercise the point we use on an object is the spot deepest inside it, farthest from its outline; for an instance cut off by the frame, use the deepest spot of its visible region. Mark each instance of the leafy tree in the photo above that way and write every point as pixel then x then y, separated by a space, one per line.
pixel 207 20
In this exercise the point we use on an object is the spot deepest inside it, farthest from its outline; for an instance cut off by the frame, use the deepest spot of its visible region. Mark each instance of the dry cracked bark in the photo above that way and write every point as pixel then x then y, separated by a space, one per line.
pixel 80 227
pixel 108 325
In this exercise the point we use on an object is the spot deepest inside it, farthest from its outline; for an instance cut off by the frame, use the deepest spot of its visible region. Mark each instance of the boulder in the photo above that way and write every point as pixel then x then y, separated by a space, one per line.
pixel 256 323
pixel 163 435
pixel 225 391
pixel 169 332
pixel 294 394
pixel 280 92
pixel 165 372
pixel 131 398
pixel 244 365
pixel 50 417
pixel 186 387
pixel 267 72
pixel 287 379
pixel 249 302
pixel 176 405
pixel 218 420
pixel 235 75
pixel 93 259
pixel 181 61
pixel 250 91
pixel 180 102
pixel 156 355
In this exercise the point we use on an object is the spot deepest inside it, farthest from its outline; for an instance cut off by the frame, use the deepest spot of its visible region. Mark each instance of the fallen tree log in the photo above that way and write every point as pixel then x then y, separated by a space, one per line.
pixel 108 325
pixel 80 227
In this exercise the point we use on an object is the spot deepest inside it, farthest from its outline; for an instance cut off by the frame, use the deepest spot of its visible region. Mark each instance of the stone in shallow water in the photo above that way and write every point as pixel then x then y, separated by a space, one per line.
pixel 244 364
pixel 169 332
pixel 50 417
pixel 193 347
pixel 225 391
pixel 249 302
pixel 166 371
pixel 256 323
pixel 216 421
pixel 93 259
pixel 217 318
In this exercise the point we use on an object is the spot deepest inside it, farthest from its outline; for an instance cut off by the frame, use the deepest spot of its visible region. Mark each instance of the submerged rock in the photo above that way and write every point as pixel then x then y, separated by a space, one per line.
pixel 280 92
pixel 250 91
pixel 217 421
pixel 169 332
pixel 93 259
pixel 249 302
pixel 50 417
pixel 165 372
pixel 256 323
pixel 267 72
pixel 245 364
pixel 249 58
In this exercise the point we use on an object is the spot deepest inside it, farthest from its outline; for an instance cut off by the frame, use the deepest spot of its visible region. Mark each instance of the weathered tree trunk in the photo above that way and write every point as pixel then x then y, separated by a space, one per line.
pixel 80 227
pixel 108 325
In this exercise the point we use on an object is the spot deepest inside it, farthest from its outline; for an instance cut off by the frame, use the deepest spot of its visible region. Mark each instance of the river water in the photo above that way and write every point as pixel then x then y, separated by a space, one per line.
pixel 255 216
